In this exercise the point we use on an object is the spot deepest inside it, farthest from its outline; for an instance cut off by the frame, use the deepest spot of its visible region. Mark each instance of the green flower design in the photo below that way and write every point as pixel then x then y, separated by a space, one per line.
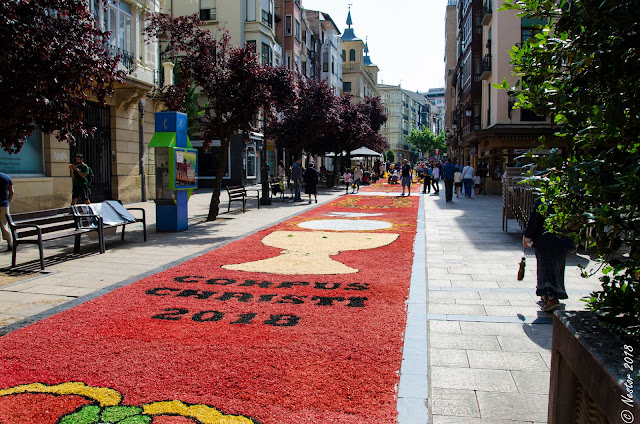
pixel 93 414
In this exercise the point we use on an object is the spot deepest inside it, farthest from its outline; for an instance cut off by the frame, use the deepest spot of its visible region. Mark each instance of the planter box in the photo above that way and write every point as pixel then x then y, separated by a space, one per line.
pixel 589 380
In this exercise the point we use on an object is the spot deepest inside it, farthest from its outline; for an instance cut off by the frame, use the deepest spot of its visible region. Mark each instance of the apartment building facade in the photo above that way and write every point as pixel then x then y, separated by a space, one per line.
pixel 489 130
pixel 406 110
pixel 252 22
pixel 450 63
pixel 331 48
pixel 117 152
pixel 436 99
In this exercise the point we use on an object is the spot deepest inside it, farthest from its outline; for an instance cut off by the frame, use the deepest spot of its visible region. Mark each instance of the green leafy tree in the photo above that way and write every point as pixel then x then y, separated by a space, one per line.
pixel 582 70
pixel 427 141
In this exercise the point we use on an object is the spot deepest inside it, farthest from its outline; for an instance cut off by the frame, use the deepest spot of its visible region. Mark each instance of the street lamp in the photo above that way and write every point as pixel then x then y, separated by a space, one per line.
pixel 468 110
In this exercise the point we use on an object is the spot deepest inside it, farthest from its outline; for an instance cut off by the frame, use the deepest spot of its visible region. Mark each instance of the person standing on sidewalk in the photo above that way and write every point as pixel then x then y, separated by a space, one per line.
pixel 296 174
pixel 79 180
pixel 407 175
pixel 428 174
pixel 6 195
pixel 551 257
pixel 311 182
pixel 467 179
pixel 448 172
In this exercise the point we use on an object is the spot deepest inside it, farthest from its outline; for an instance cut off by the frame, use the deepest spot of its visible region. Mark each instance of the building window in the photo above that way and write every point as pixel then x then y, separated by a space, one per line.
pixel 288 26
pixel 346 87
pixel 529 27
pixel 267 55
pixel 267 18
pixel 527 115
pixel 252 45
pixel 251 161
pixel 207 10
pixel 29 161
pixel 298 30
pixel 116 18
pixel 352 55
pixel 344 56
pixel 325 67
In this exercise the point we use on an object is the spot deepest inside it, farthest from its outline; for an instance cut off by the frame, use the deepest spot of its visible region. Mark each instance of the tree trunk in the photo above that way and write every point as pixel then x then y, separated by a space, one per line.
pixel 221 165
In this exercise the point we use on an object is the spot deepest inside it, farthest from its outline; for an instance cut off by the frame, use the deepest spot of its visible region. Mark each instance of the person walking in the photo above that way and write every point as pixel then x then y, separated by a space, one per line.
pixel 551 257
pixel 448 173
pixel 296 174
pixel 347 178
pixel 6 195
pixel 457 181
pixel 407 175
pixel 357 179
pixel 435 178
pixel 311 182
pixel 80 180
pixel 467 179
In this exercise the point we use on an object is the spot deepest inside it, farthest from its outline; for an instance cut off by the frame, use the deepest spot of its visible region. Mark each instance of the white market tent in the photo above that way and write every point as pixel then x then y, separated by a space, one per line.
pixel 360 152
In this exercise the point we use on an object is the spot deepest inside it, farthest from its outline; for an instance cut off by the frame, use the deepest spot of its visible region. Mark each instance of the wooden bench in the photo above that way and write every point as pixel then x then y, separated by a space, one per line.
pixel 239 194
pixel 40 226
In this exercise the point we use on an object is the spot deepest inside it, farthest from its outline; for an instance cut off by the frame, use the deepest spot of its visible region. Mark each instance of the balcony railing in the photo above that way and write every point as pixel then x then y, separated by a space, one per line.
pixel 486 67
pixel 126 58
pixel 487 12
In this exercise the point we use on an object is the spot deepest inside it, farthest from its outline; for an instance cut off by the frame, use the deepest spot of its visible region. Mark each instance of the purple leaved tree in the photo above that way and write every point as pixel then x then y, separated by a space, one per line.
pixel 54 58
pixel 236 86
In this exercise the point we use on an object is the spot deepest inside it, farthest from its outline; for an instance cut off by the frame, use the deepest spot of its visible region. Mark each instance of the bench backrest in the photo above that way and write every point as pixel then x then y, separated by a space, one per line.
pixel 236 191
pixel 49 220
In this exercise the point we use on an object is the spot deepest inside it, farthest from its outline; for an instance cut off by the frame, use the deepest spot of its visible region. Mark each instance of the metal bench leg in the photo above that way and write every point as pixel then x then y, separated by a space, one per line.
pixel 13 254
pixel 76 243
pixel 41 255
pixel 101 239
pixel 122 236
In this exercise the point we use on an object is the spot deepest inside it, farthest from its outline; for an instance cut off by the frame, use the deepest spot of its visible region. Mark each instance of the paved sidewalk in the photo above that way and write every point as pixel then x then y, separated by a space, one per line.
pixel 489 342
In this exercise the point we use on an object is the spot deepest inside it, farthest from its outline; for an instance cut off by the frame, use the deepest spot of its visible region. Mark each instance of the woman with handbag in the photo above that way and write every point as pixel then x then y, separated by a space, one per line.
pixel 551 256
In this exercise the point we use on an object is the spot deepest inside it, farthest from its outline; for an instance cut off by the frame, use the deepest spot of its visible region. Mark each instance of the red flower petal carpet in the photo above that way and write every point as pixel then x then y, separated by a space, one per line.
pixel 300 323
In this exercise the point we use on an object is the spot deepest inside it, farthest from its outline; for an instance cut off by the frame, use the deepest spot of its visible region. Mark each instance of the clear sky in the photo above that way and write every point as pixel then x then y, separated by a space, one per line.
pixel 406 37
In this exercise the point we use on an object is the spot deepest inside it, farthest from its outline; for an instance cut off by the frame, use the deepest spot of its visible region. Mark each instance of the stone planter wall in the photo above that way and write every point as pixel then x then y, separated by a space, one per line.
pixel 590 383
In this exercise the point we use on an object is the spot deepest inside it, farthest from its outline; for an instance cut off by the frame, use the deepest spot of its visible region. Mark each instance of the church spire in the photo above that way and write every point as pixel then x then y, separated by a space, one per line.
pixel 348 34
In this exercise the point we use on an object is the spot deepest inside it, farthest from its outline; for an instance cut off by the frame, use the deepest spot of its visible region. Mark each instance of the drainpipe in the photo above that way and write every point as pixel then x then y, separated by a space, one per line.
pixel 143 175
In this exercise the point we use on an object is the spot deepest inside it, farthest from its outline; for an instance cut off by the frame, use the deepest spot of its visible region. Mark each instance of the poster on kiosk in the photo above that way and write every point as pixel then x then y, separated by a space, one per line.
pixel 176 170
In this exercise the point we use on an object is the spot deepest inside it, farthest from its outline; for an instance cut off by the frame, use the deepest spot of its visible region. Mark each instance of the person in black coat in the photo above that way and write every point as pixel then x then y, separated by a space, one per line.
pixel 551 256
pixel 311 182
